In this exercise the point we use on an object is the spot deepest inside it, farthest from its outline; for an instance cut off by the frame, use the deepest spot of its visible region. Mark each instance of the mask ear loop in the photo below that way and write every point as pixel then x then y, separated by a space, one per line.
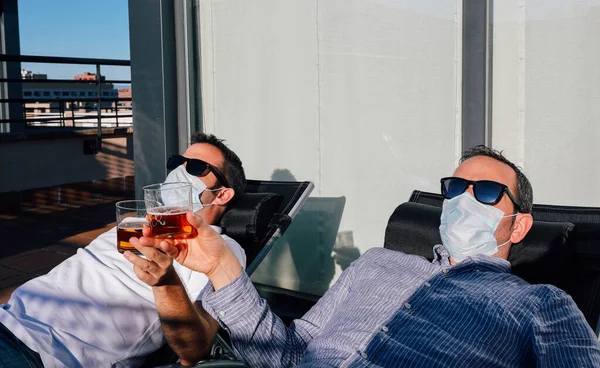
pixel 503 217
pixel 503 244
pixel 208 190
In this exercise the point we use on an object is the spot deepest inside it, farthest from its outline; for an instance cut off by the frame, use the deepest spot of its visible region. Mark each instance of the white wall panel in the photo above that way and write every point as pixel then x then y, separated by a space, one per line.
pixel 388 95
pixel 264 83
pixel 362 97
pixel 546 95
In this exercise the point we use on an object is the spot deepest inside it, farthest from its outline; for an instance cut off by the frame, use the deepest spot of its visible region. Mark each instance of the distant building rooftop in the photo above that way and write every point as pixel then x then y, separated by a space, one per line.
pixel 28 74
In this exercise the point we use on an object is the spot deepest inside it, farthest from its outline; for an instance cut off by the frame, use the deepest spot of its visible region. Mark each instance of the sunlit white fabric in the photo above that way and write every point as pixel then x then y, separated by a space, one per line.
pixel 92 310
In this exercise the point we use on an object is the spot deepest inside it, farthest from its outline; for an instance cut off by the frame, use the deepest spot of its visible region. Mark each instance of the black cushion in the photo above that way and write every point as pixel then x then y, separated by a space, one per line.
pixel 247 221
pixel 414 228
pixel 432 199
pixel 543 256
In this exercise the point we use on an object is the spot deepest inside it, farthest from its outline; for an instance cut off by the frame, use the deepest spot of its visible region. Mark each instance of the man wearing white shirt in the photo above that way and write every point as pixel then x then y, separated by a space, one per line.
pixel 96 309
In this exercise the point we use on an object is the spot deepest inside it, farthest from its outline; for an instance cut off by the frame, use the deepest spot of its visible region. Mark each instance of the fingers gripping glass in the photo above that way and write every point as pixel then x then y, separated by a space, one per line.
pixel 485 191
pixel 196 167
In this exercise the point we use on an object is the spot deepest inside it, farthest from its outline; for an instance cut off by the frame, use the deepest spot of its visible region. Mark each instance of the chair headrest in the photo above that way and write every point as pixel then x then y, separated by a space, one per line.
pixel 248 219
pixel 414 228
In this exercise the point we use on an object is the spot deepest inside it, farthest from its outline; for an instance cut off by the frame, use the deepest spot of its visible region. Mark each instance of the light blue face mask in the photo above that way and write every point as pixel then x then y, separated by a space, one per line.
pixel 467 227
pixel 179 174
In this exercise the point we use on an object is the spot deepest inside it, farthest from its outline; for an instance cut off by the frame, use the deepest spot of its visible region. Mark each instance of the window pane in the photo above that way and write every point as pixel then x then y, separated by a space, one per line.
pixel 546 96
pixel 359 97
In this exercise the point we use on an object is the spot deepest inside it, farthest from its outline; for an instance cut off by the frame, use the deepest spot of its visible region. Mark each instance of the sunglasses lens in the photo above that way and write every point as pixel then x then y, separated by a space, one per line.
pixel 197 167
pixel 488 192
pixel 453 187
pixel 174 161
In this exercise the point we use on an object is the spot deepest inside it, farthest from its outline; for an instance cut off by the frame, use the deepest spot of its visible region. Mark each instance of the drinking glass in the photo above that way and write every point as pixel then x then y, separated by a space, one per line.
pixel 131 218
pixel 166 206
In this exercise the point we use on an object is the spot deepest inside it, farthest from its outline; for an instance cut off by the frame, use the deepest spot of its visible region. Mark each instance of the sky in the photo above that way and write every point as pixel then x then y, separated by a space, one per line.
pixel 75 28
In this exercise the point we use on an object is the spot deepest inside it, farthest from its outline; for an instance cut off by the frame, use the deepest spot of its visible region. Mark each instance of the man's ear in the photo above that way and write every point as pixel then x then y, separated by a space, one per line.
pixel 523 223
pixel 224 196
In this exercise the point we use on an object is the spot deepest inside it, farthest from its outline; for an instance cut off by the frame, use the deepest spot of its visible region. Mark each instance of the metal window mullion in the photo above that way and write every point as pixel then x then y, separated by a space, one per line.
pixel 477 35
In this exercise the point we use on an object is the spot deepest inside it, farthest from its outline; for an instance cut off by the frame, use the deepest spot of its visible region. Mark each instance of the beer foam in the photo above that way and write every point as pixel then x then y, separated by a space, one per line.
pixel 159 211
pixel 128 220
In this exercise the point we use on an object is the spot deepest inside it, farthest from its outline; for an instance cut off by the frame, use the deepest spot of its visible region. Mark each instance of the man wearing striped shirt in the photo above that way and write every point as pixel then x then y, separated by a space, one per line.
pixel 390 309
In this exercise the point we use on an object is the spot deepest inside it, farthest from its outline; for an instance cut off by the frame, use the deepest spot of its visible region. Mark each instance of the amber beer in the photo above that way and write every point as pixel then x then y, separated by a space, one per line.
pixel 170 223
pixel 126 230
pixel 131 218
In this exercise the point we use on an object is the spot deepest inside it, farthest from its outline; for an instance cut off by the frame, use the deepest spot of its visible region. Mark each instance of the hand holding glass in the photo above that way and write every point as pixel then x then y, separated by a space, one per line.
pixel 166 205
pixel 131 218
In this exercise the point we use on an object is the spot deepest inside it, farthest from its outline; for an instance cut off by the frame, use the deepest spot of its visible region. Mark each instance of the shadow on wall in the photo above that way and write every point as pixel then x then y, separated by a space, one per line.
pixel 305 257
pixel 282 175
pixel 116 156
pixel 62 159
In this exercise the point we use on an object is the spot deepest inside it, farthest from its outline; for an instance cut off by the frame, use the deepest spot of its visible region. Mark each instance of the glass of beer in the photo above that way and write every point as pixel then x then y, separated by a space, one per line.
pixel 166 205
pixel 131 218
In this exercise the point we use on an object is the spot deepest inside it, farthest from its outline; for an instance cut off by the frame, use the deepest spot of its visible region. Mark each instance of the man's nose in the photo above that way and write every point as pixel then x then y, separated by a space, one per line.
pixel 470 190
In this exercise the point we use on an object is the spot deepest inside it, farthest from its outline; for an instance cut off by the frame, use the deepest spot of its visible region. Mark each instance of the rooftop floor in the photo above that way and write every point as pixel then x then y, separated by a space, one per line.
pixel 45 233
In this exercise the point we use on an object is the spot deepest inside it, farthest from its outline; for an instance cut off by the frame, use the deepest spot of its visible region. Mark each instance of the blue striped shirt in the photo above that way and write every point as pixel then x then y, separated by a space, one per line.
pixel 391 309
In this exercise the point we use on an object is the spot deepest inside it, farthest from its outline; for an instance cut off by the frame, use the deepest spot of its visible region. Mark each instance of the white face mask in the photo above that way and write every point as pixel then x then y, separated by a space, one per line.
pixel 467 227
pixel 180 174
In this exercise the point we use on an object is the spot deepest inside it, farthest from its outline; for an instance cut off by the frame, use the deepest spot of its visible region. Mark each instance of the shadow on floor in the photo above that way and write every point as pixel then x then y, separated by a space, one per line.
pixel 44 232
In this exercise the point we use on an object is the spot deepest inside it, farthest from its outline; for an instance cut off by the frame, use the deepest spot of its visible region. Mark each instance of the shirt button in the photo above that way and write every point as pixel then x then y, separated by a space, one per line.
pixel 221 314
pixel 363 355
pixel 407 305
pixel 385 329
pixel 427 284
pixel 444 270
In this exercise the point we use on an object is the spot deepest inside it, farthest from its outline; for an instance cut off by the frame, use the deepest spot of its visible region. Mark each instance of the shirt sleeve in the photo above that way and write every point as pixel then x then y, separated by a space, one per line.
pixel 257 334
pixel 562 336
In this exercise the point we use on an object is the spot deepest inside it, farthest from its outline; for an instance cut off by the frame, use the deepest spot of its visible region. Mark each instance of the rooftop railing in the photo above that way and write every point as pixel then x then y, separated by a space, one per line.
pixel 56 112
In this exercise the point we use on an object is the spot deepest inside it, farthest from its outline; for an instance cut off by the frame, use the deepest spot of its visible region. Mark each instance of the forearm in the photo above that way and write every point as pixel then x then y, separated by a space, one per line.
pixel 188 333
pixel 256 332
pixel 226 271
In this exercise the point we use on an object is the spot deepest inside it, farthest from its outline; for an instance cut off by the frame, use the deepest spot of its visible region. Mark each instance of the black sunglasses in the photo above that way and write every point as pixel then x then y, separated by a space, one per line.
pixel 196 167
pixel 485 191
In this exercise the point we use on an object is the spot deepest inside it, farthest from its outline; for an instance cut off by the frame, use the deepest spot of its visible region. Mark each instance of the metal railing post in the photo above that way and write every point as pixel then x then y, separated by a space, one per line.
pixel 62 113
pixel 99 107
pixel 60 101
pixel 72 114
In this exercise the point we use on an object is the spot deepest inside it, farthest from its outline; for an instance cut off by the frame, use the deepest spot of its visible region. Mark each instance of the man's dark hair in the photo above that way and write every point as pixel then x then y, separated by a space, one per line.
pixel 232 165
pixel 524 194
